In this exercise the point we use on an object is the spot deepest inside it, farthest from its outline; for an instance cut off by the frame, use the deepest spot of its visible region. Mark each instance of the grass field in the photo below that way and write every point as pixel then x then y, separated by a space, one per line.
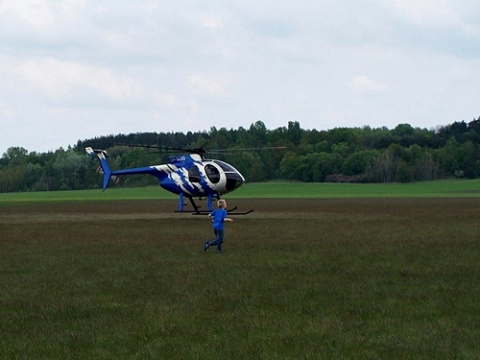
pixel 320 278
pixel 286 190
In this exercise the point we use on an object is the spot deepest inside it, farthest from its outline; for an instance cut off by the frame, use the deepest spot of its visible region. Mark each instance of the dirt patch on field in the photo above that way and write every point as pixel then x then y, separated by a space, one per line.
pixel 263 209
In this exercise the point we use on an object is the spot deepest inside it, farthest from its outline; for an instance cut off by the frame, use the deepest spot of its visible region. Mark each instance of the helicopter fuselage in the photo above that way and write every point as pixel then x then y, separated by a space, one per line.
pixel 186 175
pixel 192 176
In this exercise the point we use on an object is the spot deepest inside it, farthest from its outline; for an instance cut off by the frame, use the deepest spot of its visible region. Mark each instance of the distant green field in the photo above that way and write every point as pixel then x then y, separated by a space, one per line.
pixel 439 188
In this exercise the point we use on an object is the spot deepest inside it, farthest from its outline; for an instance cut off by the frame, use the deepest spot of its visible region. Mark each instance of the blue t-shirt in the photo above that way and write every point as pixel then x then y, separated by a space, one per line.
pixel 218 216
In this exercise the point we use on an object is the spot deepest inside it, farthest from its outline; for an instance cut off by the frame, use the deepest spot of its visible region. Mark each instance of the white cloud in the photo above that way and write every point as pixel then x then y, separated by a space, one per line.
pixel 36 13
pixel 6 110
pixel 56 77
pixel 456 16
pixel 44 16
pixel 210 21
pixel 365 85
pixel 428 13
pixel 206 85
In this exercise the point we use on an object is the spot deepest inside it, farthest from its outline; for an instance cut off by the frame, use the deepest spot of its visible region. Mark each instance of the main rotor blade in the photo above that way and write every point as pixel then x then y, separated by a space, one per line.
pixel 201 150
pixel 164 148
pixel 223 151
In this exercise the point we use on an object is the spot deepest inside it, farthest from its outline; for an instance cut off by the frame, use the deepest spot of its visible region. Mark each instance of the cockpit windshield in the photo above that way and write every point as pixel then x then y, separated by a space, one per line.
pixel 234 180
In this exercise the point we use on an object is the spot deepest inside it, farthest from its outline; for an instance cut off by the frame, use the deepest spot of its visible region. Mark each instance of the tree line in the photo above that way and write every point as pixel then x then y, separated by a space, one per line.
pixel 365 154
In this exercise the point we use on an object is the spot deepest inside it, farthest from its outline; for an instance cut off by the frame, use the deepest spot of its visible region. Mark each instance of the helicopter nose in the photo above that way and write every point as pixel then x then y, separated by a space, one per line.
pixel 234 180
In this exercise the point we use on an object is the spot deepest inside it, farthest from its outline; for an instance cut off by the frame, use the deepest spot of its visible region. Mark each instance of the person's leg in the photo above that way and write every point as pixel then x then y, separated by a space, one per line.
pixel 211 242
pixel 219 240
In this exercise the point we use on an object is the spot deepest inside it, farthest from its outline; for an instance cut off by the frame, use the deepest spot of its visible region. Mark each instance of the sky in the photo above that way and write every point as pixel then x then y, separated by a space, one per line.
pixel 77 69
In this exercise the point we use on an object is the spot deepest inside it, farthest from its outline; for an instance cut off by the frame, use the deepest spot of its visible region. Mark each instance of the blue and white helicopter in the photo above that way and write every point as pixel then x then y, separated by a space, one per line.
pixel 189 176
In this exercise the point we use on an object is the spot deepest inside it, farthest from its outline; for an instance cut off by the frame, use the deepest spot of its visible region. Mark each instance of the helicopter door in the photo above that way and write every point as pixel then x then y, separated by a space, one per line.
pixel 194 174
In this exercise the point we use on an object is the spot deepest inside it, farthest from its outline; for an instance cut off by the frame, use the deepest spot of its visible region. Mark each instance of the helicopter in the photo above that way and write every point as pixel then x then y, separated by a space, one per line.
pixel 189 175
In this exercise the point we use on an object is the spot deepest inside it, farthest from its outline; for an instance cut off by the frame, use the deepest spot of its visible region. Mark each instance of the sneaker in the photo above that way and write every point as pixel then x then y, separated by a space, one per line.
pixel 205 246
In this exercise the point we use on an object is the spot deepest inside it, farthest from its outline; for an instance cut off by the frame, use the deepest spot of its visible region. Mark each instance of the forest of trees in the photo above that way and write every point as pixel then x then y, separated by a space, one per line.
pixel 402 154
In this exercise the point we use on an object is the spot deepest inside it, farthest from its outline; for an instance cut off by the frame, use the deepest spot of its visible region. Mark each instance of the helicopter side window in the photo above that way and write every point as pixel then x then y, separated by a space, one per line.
pixel 212 173
pixel 194 174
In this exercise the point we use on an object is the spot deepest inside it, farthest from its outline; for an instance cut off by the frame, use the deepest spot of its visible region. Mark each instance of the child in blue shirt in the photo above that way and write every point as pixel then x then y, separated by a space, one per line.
pixel 218 217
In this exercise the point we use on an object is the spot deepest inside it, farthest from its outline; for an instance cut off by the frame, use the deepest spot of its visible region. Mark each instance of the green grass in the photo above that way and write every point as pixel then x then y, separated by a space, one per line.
pixel 439 188
pixel 299 279
pixel 150 192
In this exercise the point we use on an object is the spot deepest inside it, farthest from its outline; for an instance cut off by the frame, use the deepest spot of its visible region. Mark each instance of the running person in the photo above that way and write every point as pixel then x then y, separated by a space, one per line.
pixel 218 217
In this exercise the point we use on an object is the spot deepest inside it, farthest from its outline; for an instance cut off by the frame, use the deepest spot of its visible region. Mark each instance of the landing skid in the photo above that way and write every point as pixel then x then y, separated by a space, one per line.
pixel 203 212
pixel 197 211
pixel 230 212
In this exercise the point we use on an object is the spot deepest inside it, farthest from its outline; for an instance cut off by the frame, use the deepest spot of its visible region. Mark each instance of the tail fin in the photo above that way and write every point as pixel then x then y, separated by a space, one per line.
pixel 102 156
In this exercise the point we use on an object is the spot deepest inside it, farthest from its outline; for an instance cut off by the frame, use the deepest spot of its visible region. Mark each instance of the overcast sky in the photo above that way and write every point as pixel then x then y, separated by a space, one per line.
pixel 75 69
